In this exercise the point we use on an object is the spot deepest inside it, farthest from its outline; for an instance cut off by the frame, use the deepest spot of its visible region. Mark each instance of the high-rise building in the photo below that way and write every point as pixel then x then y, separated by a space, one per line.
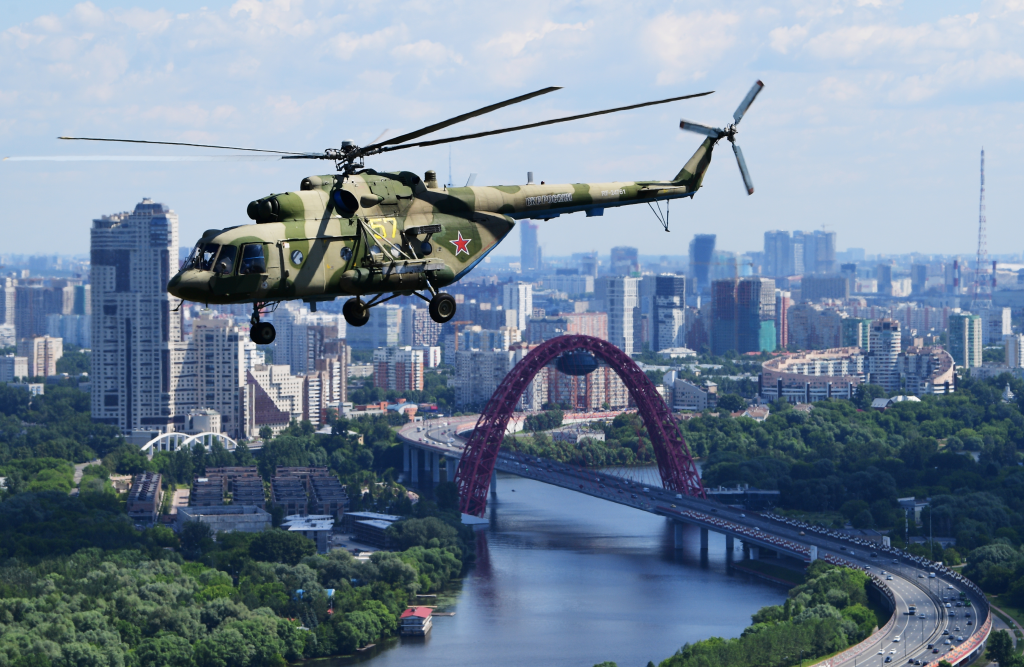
pixel 799 259
pixel 885 348
pixel 625 261
pixel 208 372
pixel 883 274
pixel 589 263
pixel 74 329
pixel 418 329
pixel 995 324
pixel 274 398
pixel 783 301
pixel 965 336
pixel 519 297
pixel 572 285
pixel 621 298
pixel 814 328
pixel 820 287
pixel 743 315
pixel 398 368
pixel 669 316
pixel 568 324
pixel 926 370
pixel 383 330
pixel 42 353
pixel 32 303
pixel 133 256
pixel 1013 345
pixel 856 333
pixel 13 368
pixel 702 251
pixel 778 254
pixel 918 278
pixel 529 256
pixel 7 301
pixel 723 316
pixel 755 315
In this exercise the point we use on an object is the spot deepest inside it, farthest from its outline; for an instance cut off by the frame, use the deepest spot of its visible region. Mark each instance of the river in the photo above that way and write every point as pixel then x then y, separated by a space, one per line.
pixel 566 579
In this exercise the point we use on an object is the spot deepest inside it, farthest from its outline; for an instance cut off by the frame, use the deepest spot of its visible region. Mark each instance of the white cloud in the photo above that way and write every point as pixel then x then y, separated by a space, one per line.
pixel 783 39
pixel 426 52
pixel 347 45
pixel 513 43
pixel 147 23
pixel 839 90
pixel 686 45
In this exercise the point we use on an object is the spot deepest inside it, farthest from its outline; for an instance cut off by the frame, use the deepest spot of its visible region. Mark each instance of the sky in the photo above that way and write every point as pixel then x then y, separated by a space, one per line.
pixel 870 124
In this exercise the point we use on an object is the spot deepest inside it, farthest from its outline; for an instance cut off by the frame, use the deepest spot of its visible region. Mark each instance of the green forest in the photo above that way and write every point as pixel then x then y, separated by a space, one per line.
pixel 80 585
pixel 826 614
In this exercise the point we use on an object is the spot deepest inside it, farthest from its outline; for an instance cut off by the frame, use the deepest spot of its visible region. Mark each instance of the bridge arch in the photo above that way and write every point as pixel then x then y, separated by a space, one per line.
pixel 675 463
pixel 172 442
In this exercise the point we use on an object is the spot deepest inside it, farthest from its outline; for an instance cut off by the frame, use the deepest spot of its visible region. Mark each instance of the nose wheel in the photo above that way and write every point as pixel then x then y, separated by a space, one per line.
pixel 356 312
pixel 442 307
pixel 262 333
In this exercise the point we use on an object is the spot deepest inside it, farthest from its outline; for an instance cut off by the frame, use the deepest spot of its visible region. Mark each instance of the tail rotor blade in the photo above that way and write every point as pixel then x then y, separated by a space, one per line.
pixel 747 101
pixel 712 132
pixel 471 180
pixel 747 183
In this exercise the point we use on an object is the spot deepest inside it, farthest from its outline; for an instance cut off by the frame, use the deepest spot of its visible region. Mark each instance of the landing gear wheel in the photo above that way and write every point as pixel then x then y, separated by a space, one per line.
pixel 356 313
pixel 262 333
pixel 442 307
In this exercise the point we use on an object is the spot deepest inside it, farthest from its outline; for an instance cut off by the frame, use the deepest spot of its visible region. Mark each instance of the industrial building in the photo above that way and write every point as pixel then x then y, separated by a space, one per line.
pixel 226 518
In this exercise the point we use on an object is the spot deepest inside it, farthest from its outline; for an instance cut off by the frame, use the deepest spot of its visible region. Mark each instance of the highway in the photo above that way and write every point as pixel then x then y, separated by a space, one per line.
pixel 932 633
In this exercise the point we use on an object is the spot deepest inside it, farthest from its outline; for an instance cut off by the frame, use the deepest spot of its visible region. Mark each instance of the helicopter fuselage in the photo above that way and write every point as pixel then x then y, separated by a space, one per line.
pixel 373 233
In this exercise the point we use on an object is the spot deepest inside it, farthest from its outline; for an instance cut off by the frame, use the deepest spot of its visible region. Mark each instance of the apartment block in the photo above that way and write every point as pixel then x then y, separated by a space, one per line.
pixel 965 339
pixel 42 353
pixel 144 497
pixel 398 368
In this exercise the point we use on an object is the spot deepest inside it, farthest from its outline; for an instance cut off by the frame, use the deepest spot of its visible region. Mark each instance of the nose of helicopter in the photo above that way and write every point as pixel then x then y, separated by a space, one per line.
pixel 188 287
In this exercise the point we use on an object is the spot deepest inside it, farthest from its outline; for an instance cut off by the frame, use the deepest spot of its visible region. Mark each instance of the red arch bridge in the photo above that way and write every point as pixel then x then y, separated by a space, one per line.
pixel 675 463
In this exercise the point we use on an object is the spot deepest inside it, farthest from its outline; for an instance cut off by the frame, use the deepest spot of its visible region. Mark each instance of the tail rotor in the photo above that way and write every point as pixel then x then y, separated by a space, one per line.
pixel 729 132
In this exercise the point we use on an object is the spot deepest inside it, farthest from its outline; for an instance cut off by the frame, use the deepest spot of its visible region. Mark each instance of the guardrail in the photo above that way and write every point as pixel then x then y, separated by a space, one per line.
pixel 869 642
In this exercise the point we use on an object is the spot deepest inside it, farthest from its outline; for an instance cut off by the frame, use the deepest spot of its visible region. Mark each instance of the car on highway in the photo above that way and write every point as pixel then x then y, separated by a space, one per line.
pixel 935 650
pixel 888 658
pixel 896 638
pixel 888 577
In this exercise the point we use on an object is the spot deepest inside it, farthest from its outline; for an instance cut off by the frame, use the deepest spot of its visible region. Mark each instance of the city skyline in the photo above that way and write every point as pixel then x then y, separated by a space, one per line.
pixel 871 121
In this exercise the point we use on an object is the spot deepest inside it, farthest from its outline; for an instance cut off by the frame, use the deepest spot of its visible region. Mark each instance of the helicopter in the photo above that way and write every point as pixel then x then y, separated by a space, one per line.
pixel 375 235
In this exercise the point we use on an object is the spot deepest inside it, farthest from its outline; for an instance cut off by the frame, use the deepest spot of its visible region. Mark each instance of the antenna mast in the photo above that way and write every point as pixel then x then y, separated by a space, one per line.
pixel 982 287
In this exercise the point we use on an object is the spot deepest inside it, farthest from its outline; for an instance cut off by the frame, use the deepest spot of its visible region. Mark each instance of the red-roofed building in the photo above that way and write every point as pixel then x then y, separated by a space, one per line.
pixel 415 621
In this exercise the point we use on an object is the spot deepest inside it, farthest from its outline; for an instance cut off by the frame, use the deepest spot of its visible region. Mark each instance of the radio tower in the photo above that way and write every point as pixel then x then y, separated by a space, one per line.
pixel 982 287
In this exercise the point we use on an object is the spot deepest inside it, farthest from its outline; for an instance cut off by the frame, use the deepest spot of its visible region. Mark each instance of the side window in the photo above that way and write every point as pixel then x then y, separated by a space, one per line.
pixel 226 259
pixel 205 259
pixel 252 259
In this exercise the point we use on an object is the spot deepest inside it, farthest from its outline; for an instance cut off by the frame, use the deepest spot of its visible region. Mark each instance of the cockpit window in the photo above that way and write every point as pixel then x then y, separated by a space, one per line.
pixel 252 259
pixel 191 261
pixel 225 262
pixel 205 259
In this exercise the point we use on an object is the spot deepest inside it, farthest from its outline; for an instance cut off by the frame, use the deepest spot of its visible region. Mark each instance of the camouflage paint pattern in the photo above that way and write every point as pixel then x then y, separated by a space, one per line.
pixel 308 235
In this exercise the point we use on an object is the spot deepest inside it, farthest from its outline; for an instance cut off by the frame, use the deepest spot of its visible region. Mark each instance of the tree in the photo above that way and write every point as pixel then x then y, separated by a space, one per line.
pixel 196 539
pixel 1000 647
pixel 280 546
pixel 447 495
pixel 731 402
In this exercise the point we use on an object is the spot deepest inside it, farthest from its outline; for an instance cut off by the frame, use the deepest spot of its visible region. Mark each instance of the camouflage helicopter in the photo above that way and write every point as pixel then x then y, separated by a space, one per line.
pixel 373 236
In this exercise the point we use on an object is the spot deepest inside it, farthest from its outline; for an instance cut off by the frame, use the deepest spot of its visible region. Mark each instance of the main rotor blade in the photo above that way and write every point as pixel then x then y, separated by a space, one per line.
pixel 747 183
pixel 141 158
pixel 380 136
pixel 712 132
pixel 747 101
pixel 401 139
pixel 542 123
pixel 178 143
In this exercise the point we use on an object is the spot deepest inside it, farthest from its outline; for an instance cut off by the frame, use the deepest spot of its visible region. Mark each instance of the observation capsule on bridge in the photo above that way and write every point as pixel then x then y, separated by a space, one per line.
pixel 578 362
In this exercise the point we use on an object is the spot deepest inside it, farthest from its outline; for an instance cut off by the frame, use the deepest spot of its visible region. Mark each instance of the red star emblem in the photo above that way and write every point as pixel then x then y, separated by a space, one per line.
pixel 461 245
